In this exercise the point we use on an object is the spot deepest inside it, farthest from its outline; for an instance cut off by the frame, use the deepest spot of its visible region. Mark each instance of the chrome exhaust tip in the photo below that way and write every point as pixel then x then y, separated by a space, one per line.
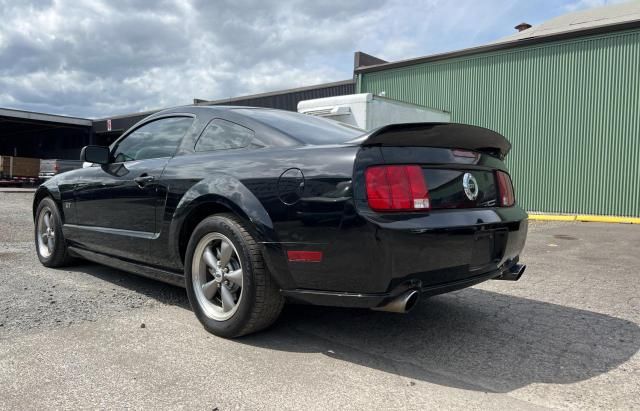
pixel 402 303
pixel 513 274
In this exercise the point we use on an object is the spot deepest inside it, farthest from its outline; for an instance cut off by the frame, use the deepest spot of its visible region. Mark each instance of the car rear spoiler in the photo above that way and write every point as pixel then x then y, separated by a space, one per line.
pixel 444 135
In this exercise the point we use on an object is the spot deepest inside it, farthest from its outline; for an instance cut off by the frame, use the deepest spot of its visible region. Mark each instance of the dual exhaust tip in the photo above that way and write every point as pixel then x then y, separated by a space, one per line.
pixel 406 301
pixel 402 303
pixel 513 273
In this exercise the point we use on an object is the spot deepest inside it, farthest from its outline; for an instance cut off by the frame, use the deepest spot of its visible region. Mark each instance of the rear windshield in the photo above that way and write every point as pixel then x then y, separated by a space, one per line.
pixel 305 128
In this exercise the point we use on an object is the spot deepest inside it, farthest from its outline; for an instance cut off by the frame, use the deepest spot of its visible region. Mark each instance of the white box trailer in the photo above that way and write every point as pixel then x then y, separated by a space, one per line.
pixel 369 111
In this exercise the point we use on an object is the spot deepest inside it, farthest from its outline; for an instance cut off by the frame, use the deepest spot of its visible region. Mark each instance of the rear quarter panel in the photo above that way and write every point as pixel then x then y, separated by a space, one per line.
pixel 249 183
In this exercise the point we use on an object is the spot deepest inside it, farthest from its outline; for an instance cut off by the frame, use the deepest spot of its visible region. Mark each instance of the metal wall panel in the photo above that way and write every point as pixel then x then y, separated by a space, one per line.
pixel 288 100
pixel 571 110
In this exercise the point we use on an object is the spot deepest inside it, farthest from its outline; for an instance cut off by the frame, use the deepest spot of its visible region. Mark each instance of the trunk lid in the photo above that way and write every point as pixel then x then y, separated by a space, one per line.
pixel 459 163
pixel 447 188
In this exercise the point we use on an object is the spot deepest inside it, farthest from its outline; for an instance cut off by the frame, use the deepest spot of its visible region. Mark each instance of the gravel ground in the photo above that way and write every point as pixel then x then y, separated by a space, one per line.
pixel 565 336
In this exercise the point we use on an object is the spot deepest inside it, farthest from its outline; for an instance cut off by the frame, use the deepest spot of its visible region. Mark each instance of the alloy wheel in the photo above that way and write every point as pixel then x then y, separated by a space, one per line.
pixel 217 276
pixel 46 233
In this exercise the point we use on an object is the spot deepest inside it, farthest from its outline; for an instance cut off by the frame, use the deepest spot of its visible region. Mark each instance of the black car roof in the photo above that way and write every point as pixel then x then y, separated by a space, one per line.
pixel 194 109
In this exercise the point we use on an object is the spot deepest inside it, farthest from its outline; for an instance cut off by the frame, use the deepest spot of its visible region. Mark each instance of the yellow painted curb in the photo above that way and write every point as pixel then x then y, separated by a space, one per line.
pixel 552 217
pixel 607 219
pixel 585 218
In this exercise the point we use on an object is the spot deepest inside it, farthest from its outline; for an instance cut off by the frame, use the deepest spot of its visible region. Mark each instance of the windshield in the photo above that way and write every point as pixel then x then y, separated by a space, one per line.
pixel 305 128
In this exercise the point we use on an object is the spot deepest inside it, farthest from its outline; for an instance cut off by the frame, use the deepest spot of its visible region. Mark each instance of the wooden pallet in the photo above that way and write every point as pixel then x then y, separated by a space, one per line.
pixel 19 167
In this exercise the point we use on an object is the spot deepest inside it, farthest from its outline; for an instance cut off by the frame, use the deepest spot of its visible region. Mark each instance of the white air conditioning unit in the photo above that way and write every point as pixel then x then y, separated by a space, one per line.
pixel 368 111
pixel 329 111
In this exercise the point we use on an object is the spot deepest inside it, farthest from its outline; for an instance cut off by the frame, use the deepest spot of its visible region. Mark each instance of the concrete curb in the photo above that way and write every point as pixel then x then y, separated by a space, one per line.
pixel 17 190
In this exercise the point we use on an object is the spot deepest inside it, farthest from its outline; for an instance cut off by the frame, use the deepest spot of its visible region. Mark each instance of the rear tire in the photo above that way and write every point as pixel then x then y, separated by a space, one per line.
pixel 229 287
pixel 51 246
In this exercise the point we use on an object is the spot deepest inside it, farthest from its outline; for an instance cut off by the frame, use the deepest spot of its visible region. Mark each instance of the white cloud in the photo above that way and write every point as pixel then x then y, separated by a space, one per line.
pixel 83 58
pixel 587 4
pixel 101 57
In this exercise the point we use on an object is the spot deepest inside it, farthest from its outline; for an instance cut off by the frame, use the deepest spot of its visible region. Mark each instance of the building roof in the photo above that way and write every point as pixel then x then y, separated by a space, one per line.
pixel 50 118
pixel 597 20
pixel 581 20
pixel 272 93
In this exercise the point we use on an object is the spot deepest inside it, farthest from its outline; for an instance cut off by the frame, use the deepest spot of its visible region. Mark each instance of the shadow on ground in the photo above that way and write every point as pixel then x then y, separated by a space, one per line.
pixel 470 339
pixel 161 292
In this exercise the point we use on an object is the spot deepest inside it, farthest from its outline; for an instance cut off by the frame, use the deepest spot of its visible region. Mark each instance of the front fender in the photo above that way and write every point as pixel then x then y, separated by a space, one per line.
pixel 47 189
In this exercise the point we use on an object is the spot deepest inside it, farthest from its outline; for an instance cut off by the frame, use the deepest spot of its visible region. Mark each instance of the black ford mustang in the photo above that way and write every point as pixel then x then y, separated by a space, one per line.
pixel 250 207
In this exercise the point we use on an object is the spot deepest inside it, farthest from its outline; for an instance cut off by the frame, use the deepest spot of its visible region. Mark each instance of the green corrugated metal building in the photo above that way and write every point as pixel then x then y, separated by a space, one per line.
pixel 567 96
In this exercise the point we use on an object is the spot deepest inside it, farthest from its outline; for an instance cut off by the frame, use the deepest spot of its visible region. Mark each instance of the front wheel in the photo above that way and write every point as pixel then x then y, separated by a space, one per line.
pixel 229 287
pixel 50 244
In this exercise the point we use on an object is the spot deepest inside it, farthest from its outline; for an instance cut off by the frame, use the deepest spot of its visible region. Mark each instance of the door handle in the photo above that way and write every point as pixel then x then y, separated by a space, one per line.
pixel 143 180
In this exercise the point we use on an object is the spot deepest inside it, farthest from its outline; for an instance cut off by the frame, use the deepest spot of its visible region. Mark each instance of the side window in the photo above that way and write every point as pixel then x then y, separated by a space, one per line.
pixel 224 135
pixel 157 139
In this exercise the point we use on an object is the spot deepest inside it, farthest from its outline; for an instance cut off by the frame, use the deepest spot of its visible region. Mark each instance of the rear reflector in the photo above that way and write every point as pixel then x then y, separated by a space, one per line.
pixel 505 189
pixel 396 188
pixel 305 256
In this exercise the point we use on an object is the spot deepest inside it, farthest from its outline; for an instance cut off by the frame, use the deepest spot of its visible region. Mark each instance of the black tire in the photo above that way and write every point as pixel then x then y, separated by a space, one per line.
pixel 261 301
pixel 58 255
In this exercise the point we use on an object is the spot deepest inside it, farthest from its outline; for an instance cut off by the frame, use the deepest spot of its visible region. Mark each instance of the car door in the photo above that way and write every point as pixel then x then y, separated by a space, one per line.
pixel 116 203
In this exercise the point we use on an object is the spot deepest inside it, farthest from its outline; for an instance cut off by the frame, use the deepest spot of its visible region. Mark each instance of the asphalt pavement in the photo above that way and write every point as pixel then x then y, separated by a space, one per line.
pixel 565 336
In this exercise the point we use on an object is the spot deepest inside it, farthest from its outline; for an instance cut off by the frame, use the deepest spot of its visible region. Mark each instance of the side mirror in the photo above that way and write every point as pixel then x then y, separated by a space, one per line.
pixel 95 154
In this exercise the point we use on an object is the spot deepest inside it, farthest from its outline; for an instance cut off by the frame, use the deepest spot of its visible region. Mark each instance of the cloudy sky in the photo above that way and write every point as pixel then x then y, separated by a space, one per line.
pixel 95 58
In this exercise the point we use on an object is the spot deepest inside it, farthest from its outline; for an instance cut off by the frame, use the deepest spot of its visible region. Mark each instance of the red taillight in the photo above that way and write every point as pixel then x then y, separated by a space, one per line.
pixel 396 188
pixel 505 189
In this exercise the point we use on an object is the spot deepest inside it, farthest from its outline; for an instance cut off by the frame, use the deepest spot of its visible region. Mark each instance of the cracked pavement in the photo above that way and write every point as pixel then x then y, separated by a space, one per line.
pixel 565 336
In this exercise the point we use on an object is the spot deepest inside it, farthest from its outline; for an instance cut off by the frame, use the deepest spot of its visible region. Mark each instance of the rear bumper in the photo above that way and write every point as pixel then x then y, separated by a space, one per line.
pixel 376 254
pixel 372 258
pixel 372 300
pixel 450 246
